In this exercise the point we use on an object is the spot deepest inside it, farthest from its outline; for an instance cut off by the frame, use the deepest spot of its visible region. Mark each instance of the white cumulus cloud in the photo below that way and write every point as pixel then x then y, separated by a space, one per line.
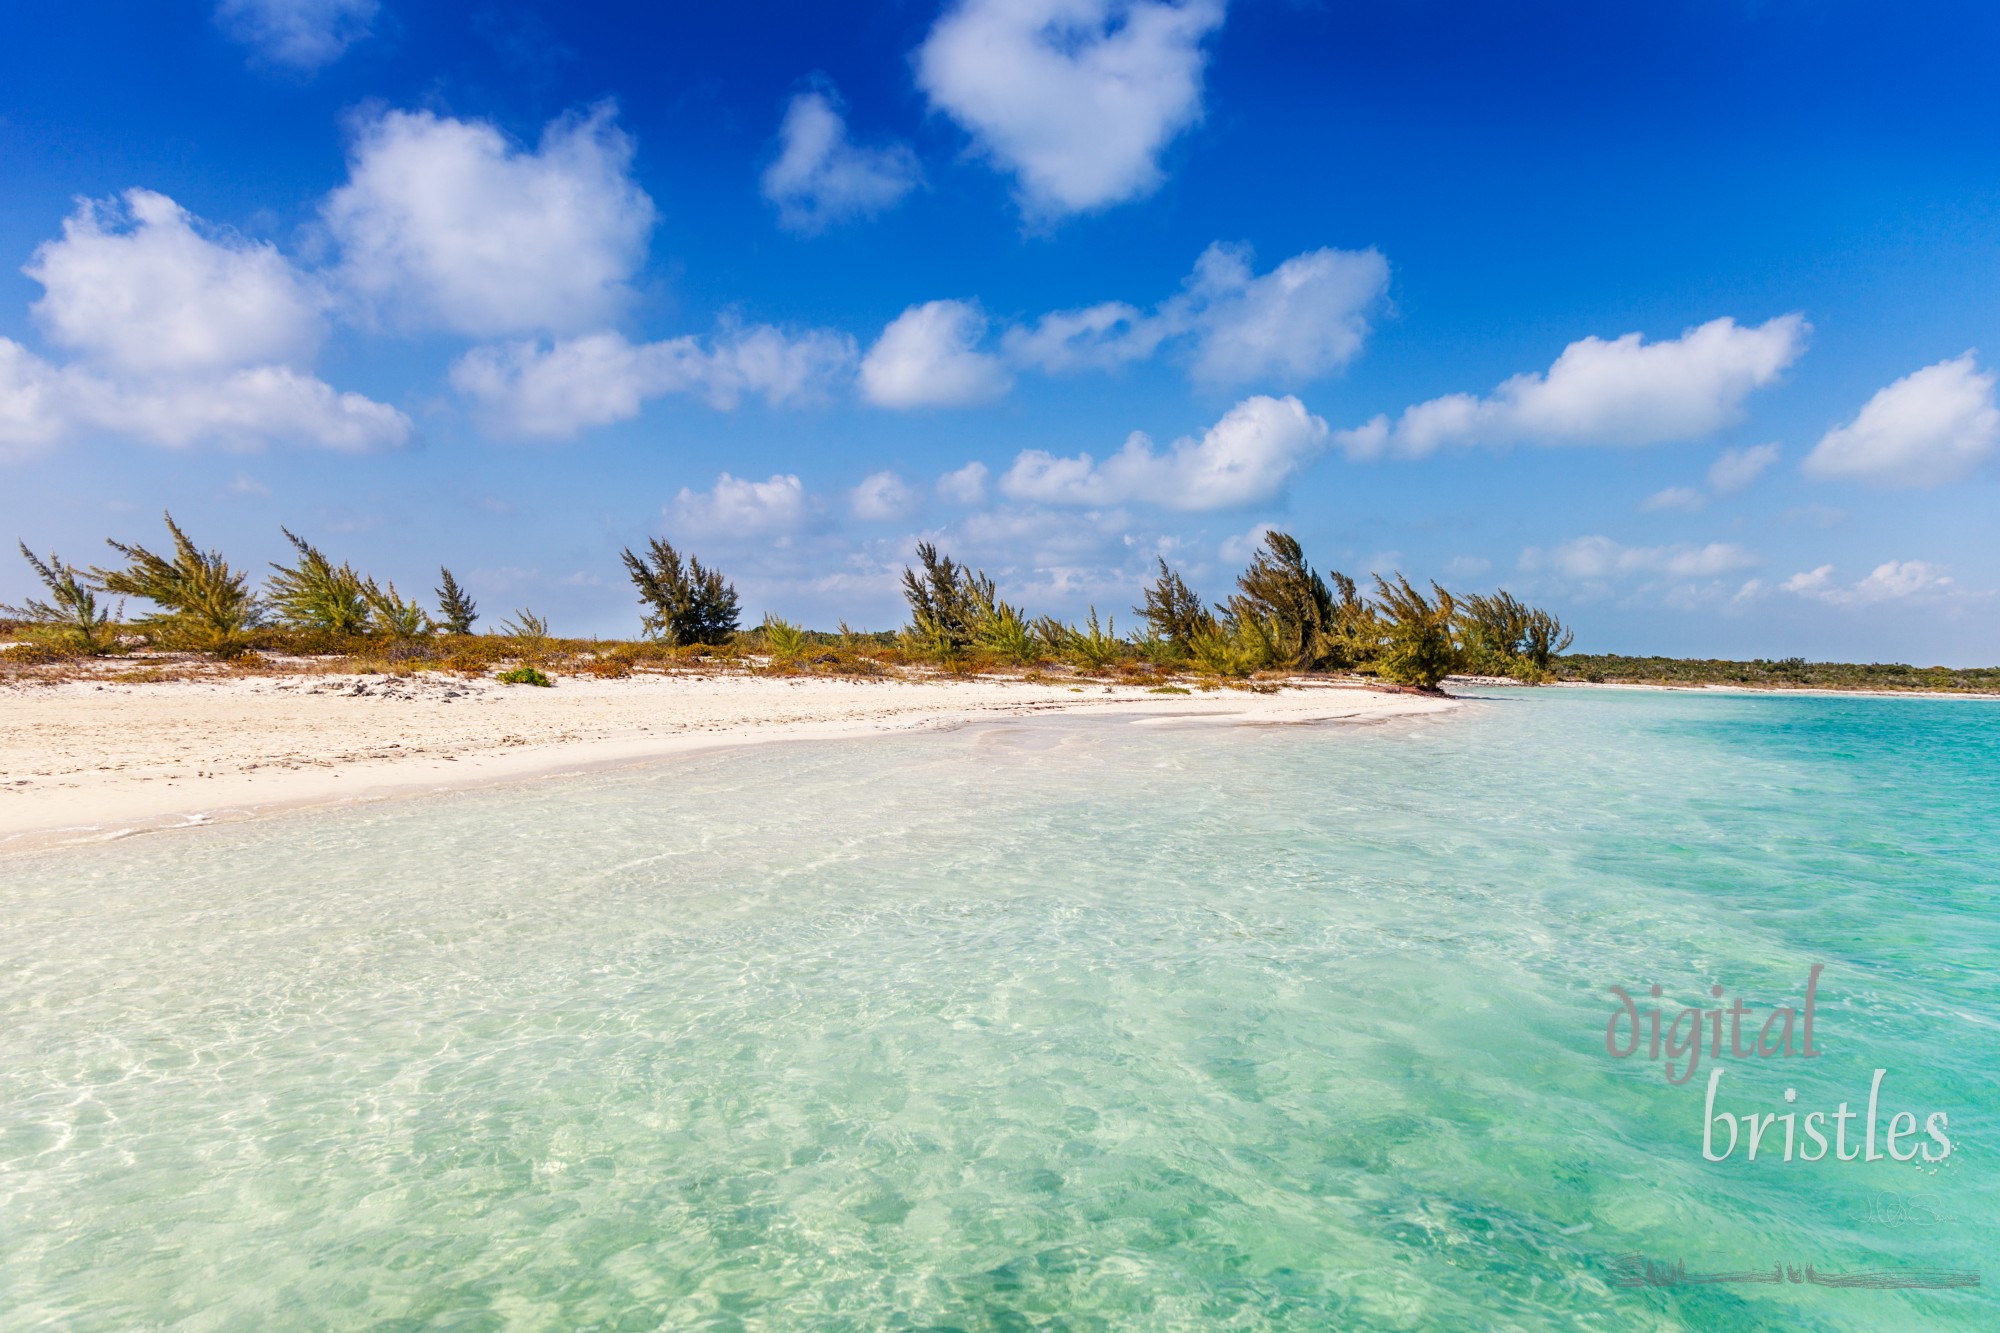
pixel 1929 428
pixel 966 485
pixel 1618 392
pixel 1674 497
pixel 738 507
pixel 246 408
pixel 1597 558
pixel 820 176
pixel 185 336
pixel 33 406
pixel 882 497
pixel 1890 581
pixel 1737 468
pixel 139 289
pixel 1303 320
pixel 1099 337
pixel 444 223
pixel 554 390
pixel 1245 458
pixel 929 356
pixel 1240 547
pixel 1076 98
pixel 299 34
pixel 1732 471
pixel 42 404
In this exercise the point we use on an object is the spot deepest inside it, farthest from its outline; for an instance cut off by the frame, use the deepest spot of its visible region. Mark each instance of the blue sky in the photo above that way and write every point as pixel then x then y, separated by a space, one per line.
pixel 1680 319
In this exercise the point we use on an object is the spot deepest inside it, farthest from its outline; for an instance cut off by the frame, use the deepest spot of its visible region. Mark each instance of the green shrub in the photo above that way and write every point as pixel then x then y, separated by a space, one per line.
pixel 528 636
pixel 1156 650
pixel 390 615
pixel 1093 648
pixel 1005 636
pixel 526 675
pixel 1235 647
pixel 785 642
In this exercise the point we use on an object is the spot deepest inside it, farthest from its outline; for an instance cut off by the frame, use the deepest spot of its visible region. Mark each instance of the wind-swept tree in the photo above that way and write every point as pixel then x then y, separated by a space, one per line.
pixel 316 594
pixel 70 621
pixel 686 603
pixel 1546 638
pixel 1507 637
pixel 203 604
pixel 948 603
pixel 1172 611
pixel 1420 648
pixel 456 610
pixel 1356 634
pixel 1281 591
pixel 955 609
pixel 945 601
pixel 1308 623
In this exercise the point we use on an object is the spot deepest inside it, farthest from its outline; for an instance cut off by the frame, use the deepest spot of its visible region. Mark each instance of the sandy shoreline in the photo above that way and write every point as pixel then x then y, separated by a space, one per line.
pixel 84 762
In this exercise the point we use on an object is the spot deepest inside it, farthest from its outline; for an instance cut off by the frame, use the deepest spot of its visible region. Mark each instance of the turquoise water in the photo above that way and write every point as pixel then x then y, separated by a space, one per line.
pixel 1079 1024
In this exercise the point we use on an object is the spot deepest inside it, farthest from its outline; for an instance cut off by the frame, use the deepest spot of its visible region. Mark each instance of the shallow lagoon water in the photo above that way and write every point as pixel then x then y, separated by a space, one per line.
pixel 1063 1024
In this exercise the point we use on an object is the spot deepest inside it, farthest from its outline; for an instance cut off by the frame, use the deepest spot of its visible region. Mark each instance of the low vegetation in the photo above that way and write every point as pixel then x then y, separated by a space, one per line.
pixel 1282 618
pixel 1793 673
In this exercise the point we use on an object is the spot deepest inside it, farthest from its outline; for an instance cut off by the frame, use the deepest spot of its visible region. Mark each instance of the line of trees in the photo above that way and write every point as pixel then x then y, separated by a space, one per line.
pixel 202 603
pixel 1282 616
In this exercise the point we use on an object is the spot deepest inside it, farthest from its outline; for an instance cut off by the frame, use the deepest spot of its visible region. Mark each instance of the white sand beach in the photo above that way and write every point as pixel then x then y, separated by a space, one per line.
pixel 85 760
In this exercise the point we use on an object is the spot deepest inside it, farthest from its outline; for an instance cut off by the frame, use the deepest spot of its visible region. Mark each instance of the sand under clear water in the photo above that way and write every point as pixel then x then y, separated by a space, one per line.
pixel 1066 1023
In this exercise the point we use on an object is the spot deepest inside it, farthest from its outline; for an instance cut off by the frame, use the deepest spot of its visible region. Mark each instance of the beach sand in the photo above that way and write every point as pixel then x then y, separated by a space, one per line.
pixel 82 761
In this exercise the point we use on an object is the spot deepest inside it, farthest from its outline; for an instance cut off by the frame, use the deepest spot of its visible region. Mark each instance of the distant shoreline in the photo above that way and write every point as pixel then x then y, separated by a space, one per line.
pixel 1793 673
pixel 85 761
pixel 1762 691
